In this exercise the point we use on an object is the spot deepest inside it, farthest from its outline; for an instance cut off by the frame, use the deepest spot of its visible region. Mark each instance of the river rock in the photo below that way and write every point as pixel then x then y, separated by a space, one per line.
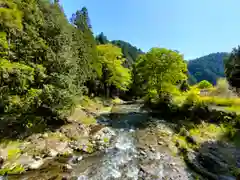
pixel 192 160
pixel 36 164
pixel 152 148
pixel 45 135
pixel 82 144
pixel 103 137
pixel 67 168
pixel 162 166
pixel 143 153
pixel 160 143
pixel 104 133
pixel 76 159
pixel 37 157
pixel 52 153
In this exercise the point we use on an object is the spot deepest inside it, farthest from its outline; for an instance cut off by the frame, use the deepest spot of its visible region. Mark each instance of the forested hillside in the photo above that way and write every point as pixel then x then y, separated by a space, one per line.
pixel 68 109
pixel 210 67
pixel 48 61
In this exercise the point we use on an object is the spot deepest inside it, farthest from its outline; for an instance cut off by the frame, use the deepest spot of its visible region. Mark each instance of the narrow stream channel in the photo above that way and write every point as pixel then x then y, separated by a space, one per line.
pixel 125 159
pixel 119 162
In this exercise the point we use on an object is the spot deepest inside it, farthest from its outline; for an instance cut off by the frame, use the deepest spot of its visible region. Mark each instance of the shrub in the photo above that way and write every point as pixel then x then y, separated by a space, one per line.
pixel 204 84
pixel 192 98
pixel 222 89
pixel 152 96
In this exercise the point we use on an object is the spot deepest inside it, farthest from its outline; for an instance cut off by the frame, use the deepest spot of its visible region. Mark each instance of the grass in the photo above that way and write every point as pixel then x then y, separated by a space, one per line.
pixel 193 96
pixel 207 131
pixel 233 109
pixel 12 169
pixel 106 140
pixel 116 101
pixel 221 101
pixel 88 120
pixel 201 133
pixel 13 152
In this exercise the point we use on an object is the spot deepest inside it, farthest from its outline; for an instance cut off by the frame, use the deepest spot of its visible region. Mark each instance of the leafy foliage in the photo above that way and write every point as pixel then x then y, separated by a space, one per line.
pixel 160 70
pixel 101 39
pixel 204 84
pixel 45 61
pixel 111 71
pixel 232 67
pixel 130 52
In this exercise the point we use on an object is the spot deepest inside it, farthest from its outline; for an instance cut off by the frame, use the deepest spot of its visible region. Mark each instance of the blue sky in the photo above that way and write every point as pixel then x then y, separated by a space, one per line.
pixel 193 27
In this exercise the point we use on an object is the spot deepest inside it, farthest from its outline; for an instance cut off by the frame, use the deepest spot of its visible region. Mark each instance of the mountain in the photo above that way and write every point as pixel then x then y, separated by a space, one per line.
pixel 209 67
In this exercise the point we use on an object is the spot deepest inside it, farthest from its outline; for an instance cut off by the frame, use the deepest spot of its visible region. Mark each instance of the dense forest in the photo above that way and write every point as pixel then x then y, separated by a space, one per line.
pixel 65 90
pixel 49 61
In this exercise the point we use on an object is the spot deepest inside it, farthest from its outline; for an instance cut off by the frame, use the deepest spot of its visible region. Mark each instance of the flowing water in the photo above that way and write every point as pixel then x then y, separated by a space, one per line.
pixel 123 160
pixel 120 161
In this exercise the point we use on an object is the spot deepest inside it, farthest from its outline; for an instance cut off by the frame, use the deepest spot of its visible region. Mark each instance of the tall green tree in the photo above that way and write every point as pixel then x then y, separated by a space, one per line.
pixel 232 68
pixel 111 70
pixel 160 69
pixel 45 61
pixel 101 39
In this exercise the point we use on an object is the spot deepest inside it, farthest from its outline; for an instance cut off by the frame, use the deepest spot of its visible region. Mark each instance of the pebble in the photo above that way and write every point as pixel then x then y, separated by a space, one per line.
pixel 36 165
pixel 160 143
pixel 53 153
pixel 79 158
pixel 152 149
pixel 143 153
pixel 67 167
pixel 37 157
pixel 45 135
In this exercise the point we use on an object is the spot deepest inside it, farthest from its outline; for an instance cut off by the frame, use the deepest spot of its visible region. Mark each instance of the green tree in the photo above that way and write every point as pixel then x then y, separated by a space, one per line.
pixel 84 44
pixel 129 51
pixel 204 84
pixel 101 39
pixel 45 61
pixel 232 68
pixel 111 70
pixel 10 24
pixel 159 70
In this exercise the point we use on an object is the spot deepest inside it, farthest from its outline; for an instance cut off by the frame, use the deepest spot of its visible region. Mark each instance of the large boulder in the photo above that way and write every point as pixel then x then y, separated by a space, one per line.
pixel 103 137
pixel 214 160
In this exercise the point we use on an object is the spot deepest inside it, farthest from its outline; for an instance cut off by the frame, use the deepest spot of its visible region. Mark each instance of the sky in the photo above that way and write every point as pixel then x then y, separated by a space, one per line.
pixel 193 27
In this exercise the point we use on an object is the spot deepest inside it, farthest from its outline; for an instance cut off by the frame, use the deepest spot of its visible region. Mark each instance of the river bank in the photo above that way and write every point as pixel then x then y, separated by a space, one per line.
pixel 125 142
pixel 80 133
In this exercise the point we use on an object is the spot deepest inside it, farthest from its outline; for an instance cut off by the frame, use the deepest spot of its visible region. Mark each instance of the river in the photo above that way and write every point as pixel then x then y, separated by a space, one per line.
pixel 137 151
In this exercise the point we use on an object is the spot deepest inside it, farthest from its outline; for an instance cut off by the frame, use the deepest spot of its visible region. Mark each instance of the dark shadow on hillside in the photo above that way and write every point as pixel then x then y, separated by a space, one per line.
pixel 15 126
pixel 215 160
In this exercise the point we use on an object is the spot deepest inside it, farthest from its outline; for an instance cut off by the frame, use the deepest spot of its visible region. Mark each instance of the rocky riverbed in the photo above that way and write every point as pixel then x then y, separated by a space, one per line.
pixel 128 143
